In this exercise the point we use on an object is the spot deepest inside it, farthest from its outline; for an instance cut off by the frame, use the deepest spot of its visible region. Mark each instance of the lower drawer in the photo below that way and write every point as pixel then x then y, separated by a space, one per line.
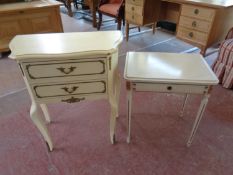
pixel 67 89
pixel 171 88
pixel 193 36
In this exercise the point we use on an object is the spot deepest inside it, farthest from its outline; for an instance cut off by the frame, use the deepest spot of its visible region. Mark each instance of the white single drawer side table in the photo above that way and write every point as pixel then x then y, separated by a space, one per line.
pixel 168 73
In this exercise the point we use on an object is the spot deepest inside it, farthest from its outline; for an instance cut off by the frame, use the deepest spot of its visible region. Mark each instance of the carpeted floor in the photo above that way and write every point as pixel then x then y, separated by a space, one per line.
pixel 80 132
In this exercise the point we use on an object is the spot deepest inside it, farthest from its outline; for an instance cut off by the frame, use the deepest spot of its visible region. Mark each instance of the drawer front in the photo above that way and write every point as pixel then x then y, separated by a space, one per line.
pixel 133 9
pixel 10 28
pixel 171 88
pixel 43 22
pixel 193 36
pixel 134 18
pixel 195 24
pixel 135 2
pixel 46 70
pixel 67 89
pixel 198 12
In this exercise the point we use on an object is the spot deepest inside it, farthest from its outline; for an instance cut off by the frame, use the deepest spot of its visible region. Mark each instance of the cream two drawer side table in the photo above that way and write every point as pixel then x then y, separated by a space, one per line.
pixel 69 67
pixel 169 73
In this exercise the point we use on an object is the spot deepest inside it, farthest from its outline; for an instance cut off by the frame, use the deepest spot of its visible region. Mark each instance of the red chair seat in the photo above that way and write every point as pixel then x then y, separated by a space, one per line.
pixel 110 8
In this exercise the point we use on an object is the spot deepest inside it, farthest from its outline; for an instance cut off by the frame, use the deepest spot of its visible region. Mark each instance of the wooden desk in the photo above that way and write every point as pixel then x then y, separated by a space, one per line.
pixel 69 67
pixel 169 73
pixel 200 22
pixel 41 16
pixel 140 13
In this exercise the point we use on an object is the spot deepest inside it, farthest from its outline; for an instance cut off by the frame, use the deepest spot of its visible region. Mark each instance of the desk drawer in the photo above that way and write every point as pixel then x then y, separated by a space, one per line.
pixel 198 12
pixel 134 18
pixel 191 35
pixel 135 2
pixel 133 9
pixel 171 88
pixel 46 70
pixel 195 24
pixel 67 89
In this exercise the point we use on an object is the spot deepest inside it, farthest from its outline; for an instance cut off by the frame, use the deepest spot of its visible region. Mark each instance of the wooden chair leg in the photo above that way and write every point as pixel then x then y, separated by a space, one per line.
pixel 75 4
pixel 119 24
pixel 100 21
pixel 69 8
pixel 127 31
pixel 139 29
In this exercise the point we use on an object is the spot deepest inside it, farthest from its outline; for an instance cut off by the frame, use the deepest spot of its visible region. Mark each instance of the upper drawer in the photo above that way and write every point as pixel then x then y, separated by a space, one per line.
pixel 135 2
pixel 133 9
pixel 195 24
pixel 52 69
pixel 198 12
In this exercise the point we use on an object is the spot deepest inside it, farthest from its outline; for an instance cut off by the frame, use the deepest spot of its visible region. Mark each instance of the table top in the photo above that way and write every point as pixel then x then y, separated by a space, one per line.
pixel 172 68
pixel 207 3
pixel 60 45
pixel 27 5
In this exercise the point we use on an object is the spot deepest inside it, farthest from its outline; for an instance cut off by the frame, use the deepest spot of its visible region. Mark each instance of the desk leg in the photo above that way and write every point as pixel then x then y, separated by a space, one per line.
pixel 183 106
pixel 46 112
pixel 198 118
pixel 40 125
pixel 127 30
pixel 154 27
pixel 129 108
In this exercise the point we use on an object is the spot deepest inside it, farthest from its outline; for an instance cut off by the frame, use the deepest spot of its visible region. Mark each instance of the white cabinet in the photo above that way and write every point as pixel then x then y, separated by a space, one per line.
pixel 69 67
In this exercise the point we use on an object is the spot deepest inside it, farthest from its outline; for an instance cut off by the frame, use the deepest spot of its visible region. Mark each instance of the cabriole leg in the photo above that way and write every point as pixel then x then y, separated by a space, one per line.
pixel 46 112
pixel 112 120
pixel 117 92
pixel 40 125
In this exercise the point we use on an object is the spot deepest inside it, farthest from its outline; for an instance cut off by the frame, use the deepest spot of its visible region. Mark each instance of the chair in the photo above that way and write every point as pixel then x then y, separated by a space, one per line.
pixel 112 8
pixel 67 4
pixel 223 66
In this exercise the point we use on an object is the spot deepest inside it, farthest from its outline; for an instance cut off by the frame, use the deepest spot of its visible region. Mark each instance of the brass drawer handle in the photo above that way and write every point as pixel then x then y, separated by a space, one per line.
pixel 169 88
pixel 73 100
pixel 21 12
pixel 194 24
pixel 66 71
pixel 196 11
pixel 133 17
pixel 191 34
pixel 70 90
pixel 132 8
